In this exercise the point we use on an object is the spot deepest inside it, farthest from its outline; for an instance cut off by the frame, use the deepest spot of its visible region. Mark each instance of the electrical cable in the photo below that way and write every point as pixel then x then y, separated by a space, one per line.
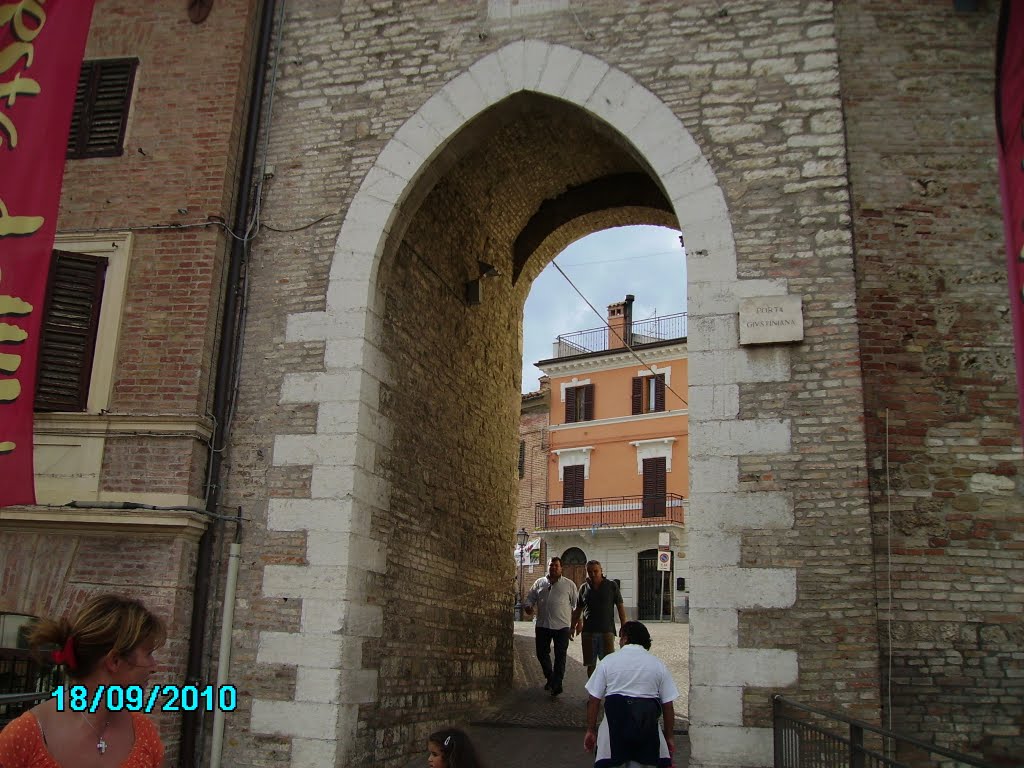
pixel 619 337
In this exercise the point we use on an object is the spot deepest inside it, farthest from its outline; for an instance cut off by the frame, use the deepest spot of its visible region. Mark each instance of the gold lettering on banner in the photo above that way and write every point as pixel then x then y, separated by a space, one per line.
pixel 17 225
pixel 9 363
pixel 7 447
pixel 12 334
pixel 9 390
pixel 12 305
pixel 16 14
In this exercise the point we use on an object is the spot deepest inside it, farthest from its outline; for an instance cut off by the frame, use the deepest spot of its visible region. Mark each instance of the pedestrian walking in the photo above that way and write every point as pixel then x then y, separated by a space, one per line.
pixel 594 617
pixel 555 598
pixel 637 689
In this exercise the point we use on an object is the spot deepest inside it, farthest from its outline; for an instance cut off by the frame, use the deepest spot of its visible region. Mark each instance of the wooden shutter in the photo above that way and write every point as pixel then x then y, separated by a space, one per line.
pixel 638 395
pixel 572 486
pixel 570 405
pixel 659 392
pixel 522 459
pixel 101 108
pixel 654 487
pixel 588 402
pixel 68 338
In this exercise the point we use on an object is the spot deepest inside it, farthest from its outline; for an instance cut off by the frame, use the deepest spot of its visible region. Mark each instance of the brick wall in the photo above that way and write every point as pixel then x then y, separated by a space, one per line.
pixel 936 351
pixel 533 424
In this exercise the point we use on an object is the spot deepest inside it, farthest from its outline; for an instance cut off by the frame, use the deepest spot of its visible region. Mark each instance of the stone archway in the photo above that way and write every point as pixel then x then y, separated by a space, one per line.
pixel 345 552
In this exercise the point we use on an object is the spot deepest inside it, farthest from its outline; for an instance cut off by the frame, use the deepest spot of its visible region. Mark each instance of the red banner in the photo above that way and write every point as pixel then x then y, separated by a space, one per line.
pixel 1010 126
pixel 41 48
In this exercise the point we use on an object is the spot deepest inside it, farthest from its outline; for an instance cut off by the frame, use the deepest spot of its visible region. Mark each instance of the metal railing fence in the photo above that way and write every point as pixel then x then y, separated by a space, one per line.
pixel 641 332
pixel 611 511
pixel 802 740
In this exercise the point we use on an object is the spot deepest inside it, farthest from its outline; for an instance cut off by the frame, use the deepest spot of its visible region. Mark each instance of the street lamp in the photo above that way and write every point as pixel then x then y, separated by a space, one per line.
pixel 521 538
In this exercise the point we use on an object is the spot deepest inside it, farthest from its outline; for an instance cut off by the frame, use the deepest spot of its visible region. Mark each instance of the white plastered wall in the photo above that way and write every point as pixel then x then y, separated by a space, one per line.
pixel 331 682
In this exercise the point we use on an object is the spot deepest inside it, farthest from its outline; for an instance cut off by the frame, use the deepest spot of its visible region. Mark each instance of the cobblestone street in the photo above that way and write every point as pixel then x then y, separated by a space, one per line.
pixel 529 728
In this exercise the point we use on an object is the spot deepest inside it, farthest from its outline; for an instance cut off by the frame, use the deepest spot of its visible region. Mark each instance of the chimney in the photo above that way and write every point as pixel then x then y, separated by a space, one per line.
pixel 620 323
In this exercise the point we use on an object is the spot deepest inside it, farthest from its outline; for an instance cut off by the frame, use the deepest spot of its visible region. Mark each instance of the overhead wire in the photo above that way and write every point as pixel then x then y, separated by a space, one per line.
pixel 604 321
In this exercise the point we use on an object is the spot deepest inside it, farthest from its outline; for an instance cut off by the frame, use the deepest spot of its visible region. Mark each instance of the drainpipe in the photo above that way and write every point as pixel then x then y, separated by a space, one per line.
pixel 226 372
pixel 224 657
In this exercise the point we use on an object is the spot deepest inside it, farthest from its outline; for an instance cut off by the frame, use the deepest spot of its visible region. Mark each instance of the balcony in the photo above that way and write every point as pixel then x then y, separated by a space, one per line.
pixel 611 512
pixel 652 331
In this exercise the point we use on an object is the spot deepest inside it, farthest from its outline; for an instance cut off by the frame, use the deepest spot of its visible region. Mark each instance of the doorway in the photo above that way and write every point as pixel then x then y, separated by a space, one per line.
pixel 655 588
pixel 574 565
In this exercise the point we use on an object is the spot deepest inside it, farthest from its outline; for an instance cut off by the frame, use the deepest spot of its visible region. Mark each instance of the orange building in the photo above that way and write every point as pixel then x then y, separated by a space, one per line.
pixel 618 476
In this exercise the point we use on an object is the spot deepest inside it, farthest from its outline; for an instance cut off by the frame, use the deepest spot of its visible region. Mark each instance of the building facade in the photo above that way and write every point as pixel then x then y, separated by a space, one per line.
pixel 618 481
pixel 533 485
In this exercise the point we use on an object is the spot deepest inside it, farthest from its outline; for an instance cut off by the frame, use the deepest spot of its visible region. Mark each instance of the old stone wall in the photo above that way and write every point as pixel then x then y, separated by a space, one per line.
pixel 936 352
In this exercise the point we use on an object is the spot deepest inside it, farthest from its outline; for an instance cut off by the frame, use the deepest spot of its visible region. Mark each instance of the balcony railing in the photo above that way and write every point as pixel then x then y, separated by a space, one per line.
pixel 655 329
pixel 611 512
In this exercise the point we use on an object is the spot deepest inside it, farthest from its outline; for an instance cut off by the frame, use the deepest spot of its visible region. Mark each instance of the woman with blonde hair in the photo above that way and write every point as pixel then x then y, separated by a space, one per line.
pixel 109 643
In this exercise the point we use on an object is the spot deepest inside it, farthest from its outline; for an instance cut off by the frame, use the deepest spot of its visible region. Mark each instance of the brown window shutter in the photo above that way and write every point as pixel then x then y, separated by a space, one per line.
pixel 102 100
pixel 68 338
pixel 522 459
pixel 570 405
pixel 638 395
pixel 572 486
pixel 659 392
pixel 588 402
pixel 654 487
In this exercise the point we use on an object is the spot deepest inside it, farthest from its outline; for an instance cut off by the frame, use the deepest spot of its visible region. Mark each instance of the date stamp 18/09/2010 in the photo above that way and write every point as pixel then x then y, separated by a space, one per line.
pixel 135 698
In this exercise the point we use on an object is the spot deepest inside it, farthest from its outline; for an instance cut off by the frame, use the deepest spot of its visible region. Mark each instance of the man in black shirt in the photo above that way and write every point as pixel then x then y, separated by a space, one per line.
pixel 594 617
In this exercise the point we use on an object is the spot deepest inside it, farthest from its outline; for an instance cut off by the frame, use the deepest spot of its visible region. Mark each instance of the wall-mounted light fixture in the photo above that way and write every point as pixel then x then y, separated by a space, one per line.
pixel 474 287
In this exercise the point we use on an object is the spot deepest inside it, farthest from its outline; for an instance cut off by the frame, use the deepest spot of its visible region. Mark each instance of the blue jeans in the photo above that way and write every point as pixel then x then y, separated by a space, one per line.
pixel 554 674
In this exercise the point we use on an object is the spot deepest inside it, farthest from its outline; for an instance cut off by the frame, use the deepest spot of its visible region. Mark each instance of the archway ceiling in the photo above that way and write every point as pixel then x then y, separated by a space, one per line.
pixel 542 173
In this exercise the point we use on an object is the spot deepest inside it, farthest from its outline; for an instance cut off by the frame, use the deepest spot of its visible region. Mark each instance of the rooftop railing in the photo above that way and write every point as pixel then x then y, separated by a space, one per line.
pixel 655 329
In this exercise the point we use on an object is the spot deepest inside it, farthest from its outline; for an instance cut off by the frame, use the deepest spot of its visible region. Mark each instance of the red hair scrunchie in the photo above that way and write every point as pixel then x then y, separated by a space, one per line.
pixel 66 656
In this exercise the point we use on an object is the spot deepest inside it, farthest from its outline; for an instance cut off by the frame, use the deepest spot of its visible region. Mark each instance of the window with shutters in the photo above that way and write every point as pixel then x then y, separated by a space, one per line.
pixel 649 394
pixel 101 108
pixel 68 339
pixel 522 459
pixel 572 486
pixel 654 487
pixel 579 403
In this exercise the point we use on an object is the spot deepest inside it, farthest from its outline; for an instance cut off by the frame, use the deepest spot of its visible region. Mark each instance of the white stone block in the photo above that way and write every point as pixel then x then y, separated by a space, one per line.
pixel 731 587
pixel 720 298
pixel 302 580
pixel 721 401
pixel 318 684
pixel 756 510
pixel 511 61
pixel 712 333
pixel 738 366
pixel 338 418
pixel 324 616
pixel 364 621
pixel 711 474
pixel 384 185
pixel 535 58
pixel 710 251
pixel 310 515
pixel 584 80
pixel 320 326
pixel 334 481
pixel 358 686
pixel 719 705
pixel 743 437
pixel 722 745
pixel 290 450
pixel 312 753
pixel 490 79
pixel 619 101
pixel 707 546
pixel 739 667
pixel 401 159
pixel 466 97
pixel 345 296
pixel 442 116
pixel 714 627
pixel 297 719
pixel 558 70
pixel 294 649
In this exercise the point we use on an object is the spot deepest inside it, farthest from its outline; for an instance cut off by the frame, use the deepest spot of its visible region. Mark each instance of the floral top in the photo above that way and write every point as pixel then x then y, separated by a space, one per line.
pixel 22 745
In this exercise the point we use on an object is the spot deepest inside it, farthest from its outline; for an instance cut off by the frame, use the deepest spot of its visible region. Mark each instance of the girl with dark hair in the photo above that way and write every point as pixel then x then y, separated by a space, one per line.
pixel 451 748
pixel 108 645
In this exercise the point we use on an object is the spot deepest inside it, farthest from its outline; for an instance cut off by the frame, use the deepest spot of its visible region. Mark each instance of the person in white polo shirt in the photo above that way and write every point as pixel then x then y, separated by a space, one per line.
pixel 555 598
pixel 637 689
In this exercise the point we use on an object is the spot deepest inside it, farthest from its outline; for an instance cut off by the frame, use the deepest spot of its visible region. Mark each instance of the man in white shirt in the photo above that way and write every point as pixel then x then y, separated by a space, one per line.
pixel 636 688
pixel 555 598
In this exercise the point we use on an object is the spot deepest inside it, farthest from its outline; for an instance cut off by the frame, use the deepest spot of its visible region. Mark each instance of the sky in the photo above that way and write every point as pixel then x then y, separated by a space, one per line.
pixel 645 261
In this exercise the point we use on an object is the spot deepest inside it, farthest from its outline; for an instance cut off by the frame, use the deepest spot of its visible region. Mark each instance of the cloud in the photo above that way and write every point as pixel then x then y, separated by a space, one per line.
pixel 647 262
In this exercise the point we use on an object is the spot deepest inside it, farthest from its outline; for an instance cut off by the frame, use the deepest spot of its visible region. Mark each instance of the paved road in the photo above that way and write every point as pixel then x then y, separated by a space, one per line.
pixel 529 728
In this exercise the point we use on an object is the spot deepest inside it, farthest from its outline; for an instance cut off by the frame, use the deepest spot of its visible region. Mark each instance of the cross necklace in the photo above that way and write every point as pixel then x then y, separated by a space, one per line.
pixel 101 743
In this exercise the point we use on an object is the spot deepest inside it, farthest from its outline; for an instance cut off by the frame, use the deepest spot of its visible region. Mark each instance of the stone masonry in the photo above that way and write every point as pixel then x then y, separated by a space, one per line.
pixel 375 442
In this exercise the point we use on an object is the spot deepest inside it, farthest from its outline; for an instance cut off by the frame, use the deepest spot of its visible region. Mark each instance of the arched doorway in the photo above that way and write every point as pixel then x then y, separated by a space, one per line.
pixel 574 565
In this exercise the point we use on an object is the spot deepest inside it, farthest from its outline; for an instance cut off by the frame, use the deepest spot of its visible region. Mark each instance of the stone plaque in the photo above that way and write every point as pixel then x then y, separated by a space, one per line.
pixel 771 319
